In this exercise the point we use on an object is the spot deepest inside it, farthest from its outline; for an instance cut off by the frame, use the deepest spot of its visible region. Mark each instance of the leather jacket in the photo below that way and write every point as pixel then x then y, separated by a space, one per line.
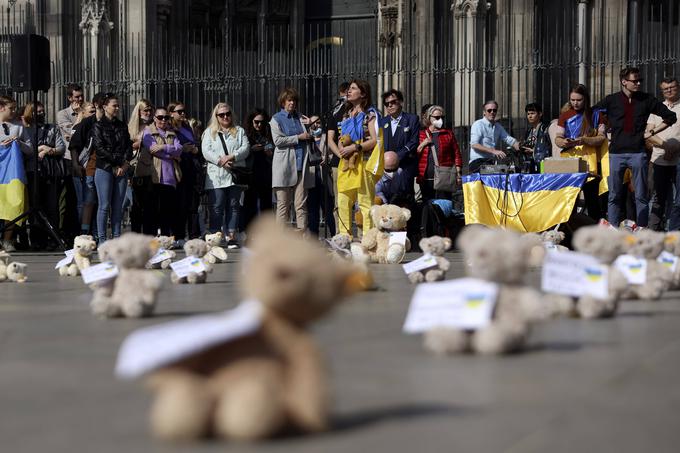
pixel 112 143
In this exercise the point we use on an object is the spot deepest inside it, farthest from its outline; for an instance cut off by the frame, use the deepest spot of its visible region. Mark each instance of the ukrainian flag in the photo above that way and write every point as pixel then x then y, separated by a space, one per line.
pixel 12 182
pixel 530 203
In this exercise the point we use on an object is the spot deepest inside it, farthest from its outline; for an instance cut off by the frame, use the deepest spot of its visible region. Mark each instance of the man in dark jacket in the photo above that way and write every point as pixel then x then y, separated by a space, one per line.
pixel 628 111
pixel 400 133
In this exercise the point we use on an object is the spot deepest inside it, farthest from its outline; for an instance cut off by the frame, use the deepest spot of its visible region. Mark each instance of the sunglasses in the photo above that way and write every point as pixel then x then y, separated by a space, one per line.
pixel 492 110
pixel 437 117
pixel 179 112
pixel 163 117
pixel 392 102
pixel 635 81
pixel 258 121
pixel 224 114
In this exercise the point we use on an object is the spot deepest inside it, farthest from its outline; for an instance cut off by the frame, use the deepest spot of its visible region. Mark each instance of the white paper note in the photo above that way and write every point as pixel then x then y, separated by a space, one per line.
pixel 99 272
pixel 426 261
pixel 669 260
pixel 574 274
pixel 67 260
pixel 160 256
pixel 398 237
pixel 550 246
pixel 152 347
pixel 188 265
pixel 635 269
pixel 465 303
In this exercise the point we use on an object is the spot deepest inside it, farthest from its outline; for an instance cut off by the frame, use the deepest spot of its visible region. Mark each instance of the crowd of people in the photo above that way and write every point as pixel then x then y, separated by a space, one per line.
pixel 164 173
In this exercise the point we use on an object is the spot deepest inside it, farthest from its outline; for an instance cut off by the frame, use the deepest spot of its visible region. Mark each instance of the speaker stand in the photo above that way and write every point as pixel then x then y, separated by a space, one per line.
pixel 34 214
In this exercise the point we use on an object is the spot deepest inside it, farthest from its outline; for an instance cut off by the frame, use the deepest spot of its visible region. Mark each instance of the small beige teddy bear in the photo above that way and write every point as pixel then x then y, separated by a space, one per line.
pixel 648 245
pixel 435 246
pixel 552 240
pixel 83 247
pixel 215 254
pixel 165 243
pixel 13 272
pixel 606 245
pixel 387 218
pixel 4 261
pixel 197 248
pixel 497 256
pixel 134 290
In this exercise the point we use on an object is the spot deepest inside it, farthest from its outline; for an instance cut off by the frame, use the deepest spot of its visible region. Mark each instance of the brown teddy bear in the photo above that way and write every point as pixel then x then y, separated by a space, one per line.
pixel 351 161
pixel 387 218
pixel 269 377
pixel 133 292
pixel 435 246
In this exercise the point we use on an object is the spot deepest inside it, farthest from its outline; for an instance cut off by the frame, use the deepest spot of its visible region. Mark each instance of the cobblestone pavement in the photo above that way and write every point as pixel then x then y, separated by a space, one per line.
pixel 605 386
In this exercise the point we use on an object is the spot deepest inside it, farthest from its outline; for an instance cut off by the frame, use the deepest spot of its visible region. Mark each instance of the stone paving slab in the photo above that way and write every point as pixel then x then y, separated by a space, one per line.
pixel 609 385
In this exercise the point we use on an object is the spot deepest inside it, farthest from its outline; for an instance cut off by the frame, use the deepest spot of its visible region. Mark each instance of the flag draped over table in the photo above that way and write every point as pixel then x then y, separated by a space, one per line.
pixel 12 182
pixel 520 201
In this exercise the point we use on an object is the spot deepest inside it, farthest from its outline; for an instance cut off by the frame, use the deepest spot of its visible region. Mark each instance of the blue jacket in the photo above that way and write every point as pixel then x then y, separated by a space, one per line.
pixel 404 141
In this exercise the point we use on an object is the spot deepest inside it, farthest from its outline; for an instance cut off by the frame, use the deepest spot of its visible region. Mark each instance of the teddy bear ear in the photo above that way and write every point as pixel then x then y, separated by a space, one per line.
pixel 423 243
pixel 447 243
pixel 406 213
pixel 154 245
pixel 374 210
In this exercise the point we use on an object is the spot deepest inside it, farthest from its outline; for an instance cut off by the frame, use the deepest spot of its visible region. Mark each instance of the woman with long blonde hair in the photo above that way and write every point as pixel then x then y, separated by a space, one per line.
pixel 141 221
pixel 225 148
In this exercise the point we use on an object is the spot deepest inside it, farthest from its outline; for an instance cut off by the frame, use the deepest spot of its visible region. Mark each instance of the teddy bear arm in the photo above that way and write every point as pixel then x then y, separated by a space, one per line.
pixel 443 263
pixel 370 239
pixel 219 253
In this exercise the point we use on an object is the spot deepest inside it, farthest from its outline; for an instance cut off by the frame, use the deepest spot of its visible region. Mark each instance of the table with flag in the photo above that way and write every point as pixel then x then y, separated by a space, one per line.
pixel 523 202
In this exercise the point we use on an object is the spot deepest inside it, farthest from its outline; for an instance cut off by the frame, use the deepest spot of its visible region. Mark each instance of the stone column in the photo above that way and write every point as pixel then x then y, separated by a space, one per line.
pixel 94 24
pixel 582 30
pixel 470 43
pixel 390 24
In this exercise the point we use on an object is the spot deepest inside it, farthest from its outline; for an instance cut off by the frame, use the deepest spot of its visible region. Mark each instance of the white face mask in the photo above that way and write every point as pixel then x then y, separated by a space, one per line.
pixel 389 174
pixel 438 123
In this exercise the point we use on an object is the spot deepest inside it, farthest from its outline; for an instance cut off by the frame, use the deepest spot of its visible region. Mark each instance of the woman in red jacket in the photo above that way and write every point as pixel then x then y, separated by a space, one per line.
pixel 434 136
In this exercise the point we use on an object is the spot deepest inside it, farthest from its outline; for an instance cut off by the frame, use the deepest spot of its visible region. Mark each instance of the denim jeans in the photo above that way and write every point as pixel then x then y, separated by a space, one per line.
pixel 111 194
pixel 674 216
pixel 85 192
pixel 665 181
pixel 618 163
pixel 225 198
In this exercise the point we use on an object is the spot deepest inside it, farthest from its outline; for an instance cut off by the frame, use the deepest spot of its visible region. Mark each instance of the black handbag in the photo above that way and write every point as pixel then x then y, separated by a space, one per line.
pixel 242 176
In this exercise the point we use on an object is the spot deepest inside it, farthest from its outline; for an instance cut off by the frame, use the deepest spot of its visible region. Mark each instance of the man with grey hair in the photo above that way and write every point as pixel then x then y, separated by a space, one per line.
pixel 486 137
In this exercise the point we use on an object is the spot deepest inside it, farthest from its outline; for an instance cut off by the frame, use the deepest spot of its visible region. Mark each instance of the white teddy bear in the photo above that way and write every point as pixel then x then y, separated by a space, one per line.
pixel 83 247
pixel 215 254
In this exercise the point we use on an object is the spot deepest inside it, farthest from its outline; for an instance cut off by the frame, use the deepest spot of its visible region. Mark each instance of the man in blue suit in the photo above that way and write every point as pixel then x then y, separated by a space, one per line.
pixel 400 133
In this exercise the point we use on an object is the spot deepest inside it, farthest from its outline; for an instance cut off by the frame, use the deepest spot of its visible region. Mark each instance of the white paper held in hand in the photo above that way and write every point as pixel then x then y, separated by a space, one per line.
pixel 465 303
pixel 398 237
pixel 188 265
pixel 67 260
pixel 668 260
pixel 635 269
pixel 152 347
pixel 426 261
pixel 160 256
pixel 574 274
pixel 99 272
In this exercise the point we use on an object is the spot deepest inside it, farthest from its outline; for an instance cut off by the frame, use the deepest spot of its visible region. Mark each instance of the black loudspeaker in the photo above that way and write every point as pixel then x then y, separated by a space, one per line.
pixel 30 63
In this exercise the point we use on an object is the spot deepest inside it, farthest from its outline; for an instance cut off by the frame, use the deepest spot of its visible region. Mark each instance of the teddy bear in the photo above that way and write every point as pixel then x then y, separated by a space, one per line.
pixel 552 240
pixel 606 245
pixel 132 293
pixel 165 243
pixel 83 247
pixel 339 246
pixel 435 246
pixel 497 256
pixel 350 161
pixel 13 272
pixel 271 377
pixel 197 248
pixel 648 245
pixel 672 246
pixel 387 218
pixel 215 254
pixel 4 261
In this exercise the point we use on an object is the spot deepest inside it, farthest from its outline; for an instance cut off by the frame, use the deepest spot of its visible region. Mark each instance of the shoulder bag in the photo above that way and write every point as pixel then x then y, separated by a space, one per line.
pixel 444 177
pixel 242 176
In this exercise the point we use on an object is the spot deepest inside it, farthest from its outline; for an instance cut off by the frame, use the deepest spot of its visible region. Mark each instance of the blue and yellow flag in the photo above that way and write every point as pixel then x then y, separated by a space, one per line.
pixel 12 182
pixel 520 201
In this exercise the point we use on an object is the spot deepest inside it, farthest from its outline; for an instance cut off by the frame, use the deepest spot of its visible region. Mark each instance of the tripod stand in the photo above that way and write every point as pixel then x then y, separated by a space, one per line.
pixel 34 214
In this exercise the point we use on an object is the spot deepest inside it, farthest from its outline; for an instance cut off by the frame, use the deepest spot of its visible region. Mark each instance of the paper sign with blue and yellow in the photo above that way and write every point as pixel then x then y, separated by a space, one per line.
pixel 12 182
pixel 523 202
